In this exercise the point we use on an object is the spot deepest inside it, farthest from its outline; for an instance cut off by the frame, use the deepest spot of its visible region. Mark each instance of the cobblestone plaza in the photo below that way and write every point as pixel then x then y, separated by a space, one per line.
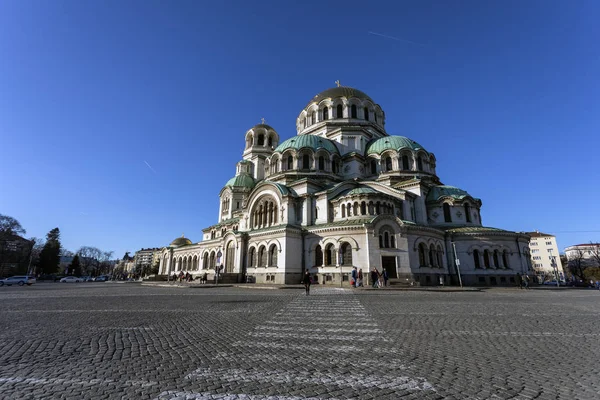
pixel 128 341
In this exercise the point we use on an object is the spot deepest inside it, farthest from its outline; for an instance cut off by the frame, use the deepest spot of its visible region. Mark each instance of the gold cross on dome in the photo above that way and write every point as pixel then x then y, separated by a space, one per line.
pixel 262 121
pixel 338 83
pixel 182 235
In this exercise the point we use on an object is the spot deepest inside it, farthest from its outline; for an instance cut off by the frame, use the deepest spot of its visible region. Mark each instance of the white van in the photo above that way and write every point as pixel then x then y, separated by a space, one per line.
pixel 18 280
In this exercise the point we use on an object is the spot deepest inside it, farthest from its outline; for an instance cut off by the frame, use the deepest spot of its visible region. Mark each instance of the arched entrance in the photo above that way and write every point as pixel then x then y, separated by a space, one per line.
pixel 230 257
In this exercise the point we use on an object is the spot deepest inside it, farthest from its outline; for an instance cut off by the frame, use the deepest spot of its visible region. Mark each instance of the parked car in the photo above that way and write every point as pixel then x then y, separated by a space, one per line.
pixel 101 278
pixel 70 279
pixel 86 279
pixel 18 280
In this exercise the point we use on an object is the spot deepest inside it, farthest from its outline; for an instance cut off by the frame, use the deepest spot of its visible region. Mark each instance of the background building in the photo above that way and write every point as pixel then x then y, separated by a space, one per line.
pixel 583 260
pixel 545 258
pixel 15 252
pixel 145 259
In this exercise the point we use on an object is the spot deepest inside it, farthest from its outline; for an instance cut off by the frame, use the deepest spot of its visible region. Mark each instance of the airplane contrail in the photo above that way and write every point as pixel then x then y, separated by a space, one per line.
pixel 395 38
pixel 149 166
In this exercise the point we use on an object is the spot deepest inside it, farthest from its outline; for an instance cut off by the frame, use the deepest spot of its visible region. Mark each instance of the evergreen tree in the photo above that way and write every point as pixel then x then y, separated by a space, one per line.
pixel 50 254
pixel 75 268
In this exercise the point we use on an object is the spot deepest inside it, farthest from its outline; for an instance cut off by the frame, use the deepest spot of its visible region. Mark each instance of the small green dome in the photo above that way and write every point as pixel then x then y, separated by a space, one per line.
pixel 380 145
pixel 437 192
pixel 263 126
pixel 308 141
pixel 181 241
pixel 341 91
pixel 241 180
pixel 362 190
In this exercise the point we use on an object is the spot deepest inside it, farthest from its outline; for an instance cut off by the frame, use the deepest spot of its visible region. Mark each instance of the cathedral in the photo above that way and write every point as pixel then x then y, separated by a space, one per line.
pixel 345 193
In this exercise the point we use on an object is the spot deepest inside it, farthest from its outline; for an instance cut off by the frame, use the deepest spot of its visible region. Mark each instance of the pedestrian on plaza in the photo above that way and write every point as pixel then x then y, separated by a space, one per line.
pixel 526 281
pixel 374 277
pixel 360 278
pixel 174 278
pixel 379 279
pixel 519 280
pixel 354 274
pixel 204 278
pixel 306 281
pixel 385 277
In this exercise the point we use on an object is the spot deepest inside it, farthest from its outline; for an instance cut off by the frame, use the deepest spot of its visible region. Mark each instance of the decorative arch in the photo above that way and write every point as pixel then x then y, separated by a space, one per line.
pixel 272 257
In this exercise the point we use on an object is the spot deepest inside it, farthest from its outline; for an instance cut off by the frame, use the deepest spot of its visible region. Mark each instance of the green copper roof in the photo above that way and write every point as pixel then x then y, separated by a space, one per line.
pixel 362 190
pixel 436 192
pixel 475 229
pixel 342 91
pixel 380 145
pixel 241 180
pixel 307 141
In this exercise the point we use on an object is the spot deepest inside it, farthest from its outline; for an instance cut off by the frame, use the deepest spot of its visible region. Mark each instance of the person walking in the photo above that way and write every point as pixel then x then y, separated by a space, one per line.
pixel 526 281
pixel 306 281
pixel 385 277
pixel 354 282
pixel 374 277
pixel 360 278
pixel 519 280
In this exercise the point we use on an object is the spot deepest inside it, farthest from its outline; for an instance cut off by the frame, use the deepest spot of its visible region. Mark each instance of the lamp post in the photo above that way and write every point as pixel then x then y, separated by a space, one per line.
pixel 457 262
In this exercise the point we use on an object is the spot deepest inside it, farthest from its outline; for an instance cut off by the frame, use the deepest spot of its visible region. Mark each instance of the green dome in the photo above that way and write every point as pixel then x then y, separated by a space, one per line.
pixel 241 180
pixel 342 91
pixel 307 141
pixel 437 192
pixel 362 190
pixel 380 145
pixel 263 126
pixel 181 241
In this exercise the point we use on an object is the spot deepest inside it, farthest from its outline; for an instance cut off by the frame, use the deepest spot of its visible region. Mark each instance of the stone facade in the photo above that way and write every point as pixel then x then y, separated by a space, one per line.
pixel 344 193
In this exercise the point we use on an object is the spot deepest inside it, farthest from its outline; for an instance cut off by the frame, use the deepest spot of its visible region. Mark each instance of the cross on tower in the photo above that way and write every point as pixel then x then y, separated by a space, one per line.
pixel 338 83
pixel 262 121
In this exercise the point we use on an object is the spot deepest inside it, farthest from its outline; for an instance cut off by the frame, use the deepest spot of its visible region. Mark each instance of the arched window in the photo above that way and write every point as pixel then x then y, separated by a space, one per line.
pixel 373 167
pixel 505 259
pixel 325 114
pixel 440 259
pixel 321 163
pixel 363 208
pixel 262 259
pixel 313 117
pixel 355 208
pixel 329 254
pixel 486 258
pixel 496 259
pixel 476 258
pixel 353 111
pixel 375 114
pixel 340 111
pixel 273 255
pixel 432 259
pixel 343 211
pixel 405 165
pixel 388 164
pixel 380 241
pixel 346 251
pixel 334 166
pixel 386 240
pixel 290 162
pixel 420 164
pixel 261 140
pixel 366 110
pixel 318 256
pixel 252 258
pixel 392 241
pixel 447 216
pixel 305 161
pixel 422 251
pixel 468 212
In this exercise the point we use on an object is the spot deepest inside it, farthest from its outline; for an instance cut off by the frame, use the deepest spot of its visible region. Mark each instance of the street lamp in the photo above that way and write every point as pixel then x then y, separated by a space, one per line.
pixel 457 262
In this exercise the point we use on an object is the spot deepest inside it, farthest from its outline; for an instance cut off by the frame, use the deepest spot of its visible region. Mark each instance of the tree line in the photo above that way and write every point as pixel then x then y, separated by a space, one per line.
pixel 42 256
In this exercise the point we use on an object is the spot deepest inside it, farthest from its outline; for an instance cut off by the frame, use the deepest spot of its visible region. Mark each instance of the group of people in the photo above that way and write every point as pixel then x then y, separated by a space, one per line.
pixel 378 279
pixel 523 281
pixel 187 277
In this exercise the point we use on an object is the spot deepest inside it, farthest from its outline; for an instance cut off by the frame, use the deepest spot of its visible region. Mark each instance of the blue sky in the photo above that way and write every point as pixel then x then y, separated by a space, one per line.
pixel 506 94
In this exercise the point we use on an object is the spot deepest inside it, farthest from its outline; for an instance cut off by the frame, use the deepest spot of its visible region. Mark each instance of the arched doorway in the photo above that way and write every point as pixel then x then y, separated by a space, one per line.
pixel 230 257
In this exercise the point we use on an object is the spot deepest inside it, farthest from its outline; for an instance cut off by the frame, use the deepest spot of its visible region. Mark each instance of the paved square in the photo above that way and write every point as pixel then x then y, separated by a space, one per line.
pixel 127 341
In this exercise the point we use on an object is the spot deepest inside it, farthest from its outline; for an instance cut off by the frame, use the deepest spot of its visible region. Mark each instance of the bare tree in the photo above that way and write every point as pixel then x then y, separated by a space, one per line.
pixel 89 259
pixel 577 263
pixel 10 226
pixel 595 253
